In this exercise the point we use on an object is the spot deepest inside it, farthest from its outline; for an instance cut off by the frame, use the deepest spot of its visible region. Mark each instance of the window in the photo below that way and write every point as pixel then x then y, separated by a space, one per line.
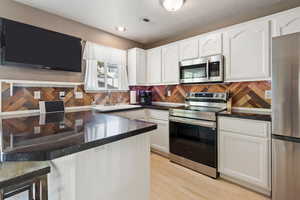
pixel 105 68
pixel 108 76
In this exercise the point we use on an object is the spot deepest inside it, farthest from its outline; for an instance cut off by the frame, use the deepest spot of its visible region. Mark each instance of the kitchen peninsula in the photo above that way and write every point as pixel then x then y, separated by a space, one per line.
pixel 90 154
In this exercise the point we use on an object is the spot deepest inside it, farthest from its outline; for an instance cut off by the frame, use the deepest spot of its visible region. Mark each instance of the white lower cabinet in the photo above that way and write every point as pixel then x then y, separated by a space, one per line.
pixel 245 158
pixel 119 170
pixel 160 136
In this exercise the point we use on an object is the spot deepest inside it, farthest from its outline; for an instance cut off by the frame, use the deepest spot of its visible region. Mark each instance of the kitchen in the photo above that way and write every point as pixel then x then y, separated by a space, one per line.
pixel 217 107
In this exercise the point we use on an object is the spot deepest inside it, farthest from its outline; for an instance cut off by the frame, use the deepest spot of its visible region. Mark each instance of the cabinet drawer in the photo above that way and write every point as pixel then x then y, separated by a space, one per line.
pixel 131 114
pixel 245 126
pixel 158 114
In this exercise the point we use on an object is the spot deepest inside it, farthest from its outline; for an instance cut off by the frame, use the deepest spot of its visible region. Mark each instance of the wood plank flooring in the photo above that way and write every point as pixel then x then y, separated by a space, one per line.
pixel 173 182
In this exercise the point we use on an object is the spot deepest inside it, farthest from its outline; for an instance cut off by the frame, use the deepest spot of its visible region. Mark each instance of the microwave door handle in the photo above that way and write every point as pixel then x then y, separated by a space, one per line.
pixel 207 69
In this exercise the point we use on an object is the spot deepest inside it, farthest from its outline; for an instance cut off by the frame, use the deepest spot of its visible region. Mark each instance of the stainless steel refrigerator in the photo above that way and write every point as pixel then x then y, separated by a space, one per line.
pixel 286 117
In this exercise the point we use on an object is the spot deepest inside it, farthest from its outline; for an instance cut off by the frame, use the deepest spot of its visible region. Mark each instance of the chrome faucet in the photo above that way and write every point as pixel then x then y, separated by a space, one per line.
pixel 108 100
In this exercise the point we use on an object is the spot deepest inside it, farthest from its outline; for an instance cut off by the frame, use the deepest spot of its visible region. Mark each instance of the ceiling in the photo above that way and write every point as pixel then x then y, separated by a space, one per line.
pixel 196 15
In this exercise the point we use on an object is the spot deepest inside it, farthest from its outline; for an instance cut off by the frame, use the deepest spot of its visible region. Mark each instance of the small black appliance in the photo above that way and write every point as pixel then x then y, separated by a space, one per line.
pixel 145 97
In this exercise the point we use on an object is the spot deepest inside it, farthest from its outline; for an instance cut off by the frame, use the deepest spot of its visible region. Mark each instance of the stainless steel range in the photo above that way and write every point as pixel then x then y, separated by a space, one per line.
pixel 193 132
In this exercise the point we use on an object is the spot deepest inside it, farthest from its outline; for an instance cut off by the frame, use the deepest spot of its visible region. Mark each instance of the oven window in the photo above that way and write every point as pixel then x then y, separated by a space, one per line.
pixel 193 142
pixel 193 72
pixel 214 69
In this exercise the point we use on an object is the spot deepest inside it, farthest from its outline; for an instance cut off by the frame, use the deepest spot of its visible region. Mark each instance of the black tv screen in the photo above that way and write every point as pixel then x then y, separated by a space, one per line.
pixel 26 45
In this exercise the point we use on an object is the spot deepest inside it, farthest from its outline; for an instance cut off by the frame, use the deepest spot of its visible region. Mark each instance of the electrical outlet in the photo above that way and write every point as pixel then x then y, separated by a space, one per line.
pixel 37 94
pixel 37 130
pixel 169 93
pixel 78 95
pixel 78 122
pixel 268 94
pixel 62 94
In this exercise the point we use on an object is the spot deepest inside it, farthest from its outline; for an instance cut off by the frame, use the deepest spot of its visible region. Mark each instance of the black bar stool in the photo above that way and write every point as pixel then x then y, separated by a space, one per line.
pixel 36 183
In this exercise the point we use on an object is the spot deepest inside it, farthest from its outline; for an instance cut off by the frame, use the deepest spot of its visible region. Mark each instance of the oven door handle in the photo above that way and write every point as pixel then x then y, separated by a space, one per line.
pixel 193 122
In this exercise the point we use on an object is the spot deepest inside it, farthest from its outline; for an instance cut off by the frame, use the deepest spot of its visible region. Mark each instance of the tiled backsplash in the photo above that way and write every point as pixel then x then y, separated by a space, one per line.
pixel 244 94
pixel 23 97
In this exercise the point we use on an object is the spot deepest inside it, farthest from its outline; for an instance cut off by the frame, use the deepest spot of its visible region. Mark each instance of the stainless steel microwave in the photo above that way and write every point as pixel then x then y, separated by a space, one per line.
pixel 202 70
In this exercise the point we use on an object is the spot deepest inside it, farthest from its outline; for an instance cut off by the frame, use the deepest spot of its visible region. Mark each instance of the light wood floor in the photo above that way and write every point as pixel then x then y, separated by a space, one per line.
pixel 173 182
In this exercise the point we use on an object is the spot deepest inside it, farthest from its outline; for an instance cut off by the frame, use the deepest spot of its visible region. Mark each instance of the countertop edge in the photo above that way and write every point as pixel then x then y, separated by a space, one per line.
pixel 251 116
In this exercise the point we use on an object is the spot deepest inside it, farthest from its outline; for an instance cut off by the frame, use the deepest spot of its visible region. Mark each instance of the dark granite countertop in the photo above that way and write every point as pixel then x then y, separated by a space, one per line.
pixel 155 107
pixel 50 136
pixel 254 116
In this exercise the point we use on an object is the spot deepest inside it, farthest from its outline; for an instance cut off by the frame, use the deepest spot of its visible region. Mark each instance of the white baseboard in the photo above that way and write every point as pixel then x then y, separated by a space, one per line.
pixel 266 192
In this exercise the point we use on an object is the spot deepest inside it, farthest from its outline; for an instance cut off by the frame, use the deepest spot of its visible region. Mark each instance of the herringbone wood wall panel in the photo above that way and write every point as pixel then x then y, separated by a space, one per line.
pixel 244 94
pixel 23 98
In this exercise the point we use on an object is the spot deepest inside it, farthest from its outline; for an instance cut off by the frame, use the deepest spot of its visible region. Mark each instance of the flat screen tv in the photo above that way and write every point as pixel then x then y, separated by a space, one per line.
pixel 30 46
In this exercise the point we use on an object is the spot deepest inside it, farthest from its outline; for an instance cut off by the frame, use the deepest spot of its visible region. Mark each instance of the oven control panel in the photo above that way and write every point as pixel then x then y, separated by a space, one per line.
pixel 208 95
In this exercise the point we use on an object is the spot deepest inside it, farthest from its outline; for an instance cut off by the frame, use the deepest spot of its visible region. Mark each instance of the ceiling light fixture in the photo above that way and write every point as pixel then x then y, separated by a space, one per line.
pixel 121 28
pixel 172 5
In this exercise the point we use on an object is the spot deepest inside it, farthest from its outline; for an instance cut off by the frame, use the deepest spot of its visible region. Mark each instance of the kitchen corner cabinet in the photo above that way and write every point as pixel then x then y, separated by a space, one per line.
pixel 188 49
pixel 159 137
pixel 210 45
pixel 154 66
pixel 287 23
pixel 137 70
pixel 244 152
pixel 170 64
pixel 247 52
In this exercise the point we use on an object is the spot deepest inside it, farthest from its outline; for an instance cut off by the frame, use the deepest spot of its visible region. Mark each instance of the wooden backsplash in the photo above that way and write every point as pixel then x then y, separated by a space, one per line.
pixel 23 98
pixel 244 94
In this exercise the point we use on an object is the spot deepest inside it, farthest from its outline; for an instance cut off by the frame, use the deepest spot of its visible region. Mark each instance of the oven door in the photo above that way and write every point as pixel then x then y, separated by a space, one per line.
pixel 195 140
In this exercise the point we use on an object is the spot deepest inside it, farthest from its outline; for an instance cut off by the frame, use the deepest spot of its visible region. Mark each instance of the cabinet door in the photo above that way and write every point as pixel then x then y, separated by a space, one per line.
pixel 154 66
pixel 160 136
pixel 137 74
pixel 210 45
pixel 141 72
pixel 189 49
pixel 247 52
pixel 245 158
pixel 132 63
pixel 170 64
pixel 287 23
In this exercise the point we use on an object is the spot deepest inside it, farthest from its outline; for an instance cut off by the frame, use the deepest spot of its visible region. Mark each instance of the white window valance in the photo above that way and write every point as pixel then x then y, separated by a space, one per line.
pixel 110 55
pixel 93 54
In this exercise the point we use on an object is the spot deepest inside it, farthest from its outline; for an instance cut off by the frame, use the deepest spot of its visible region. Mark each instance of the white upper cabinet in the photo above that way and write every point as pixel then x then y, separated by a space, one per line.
pixel 287 23
pixel 189 49
pixel 154 66
pixel 170 64
pixel 247 52
pixel 210 45
pixel 137 74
